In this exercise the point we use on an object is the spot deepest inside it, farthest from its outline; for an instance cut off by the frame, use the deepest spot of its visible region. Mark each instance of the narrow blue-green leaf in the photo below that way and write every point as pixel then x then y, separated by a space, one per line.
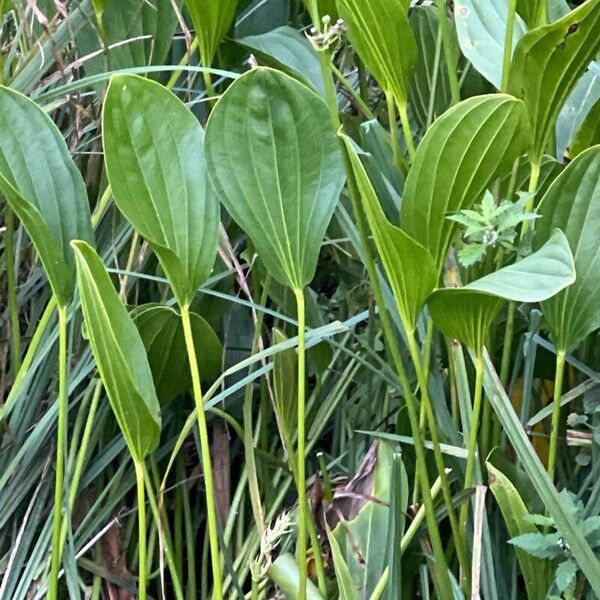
pixel 573 204
pixel 119 353
pixel 43 187
pixel 409 267
pixel 548 62
pixel 481 29
pixel 461 154
pixel 157 172
pixel 288 50
pixel 275 163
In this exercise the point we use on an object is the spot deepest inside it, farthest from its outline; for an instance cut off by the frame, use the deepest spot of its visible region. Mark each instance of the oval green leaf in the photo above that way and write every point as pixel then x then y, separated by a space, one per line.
pixel 380 33
pixel 410 268
pixel 275 163
pixel 548 62
pixel 119 353
pixel 466 313
pixel 459 157
pixel 573 204
pixel 157 172
pixel 43 187
pixel 161 330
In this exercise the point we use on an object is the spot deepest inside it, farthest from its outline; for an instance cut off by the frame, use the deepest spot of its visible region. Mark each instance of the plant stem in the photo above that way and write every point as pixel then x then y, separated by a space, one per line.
pixel 396 151
pixel 11 284
pixel 558 384
pixel 211 513
pixel 301 542
pixel 473 431
pixel 61 440
pixel 533 182
pixel 422 376
pixel 141 501
pixel 508 40
pixel 448 54
pixel 403 111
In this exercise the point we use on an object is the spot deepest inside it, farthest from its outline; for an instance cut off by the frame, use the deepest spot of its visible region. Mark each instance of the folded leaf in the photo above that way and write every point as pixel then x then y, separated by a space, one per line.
pixel 461 154
pixel 275 163
pixel 588 133
pixel 572 203
pixel 43 187
pixel 547 63
pixel 119 353
pixel 157 172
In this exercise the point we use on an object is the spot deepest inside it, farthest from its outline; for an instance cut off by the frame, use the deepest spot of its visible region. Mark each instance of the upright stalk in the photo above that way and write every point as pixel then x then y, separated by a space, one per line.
pixel 558 384
pixel 473 431
pixel 508 39
pixel 448 54
pixel 408 136
pixel 11 282
pixel 61 440
pixel 211 513
pixel 394 138
pixel 141 501
pixel 301 546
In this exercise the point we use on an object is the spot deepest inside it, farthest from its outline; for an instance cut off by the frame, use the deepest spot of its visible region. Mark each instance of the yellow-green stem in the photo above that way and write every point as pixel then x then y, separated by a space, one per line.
pixel 408 136
pixel 211 513
pixel 301 481
pixel 533 182
pixel 141 501
pixel 394 137
pixel 61 440
pixel 508 40
pixel 11 284
pixel 448 52
pixel 558 384
pixel 473 431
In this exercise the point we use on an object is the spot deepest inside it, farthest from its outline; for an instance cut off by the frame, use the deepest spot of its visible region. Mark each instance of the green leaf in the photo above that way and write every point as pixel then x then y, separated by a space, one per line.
pixel 535 572
pixel 157 172
pixel 539 545
pixel 556 506
pixel 547 63
pixel 467 313
pixel 43 187
pixel 565 574
pixel 212 21
pixel 409 267
pixel 284 386
pixel 573 204
pixel 288 50
pixel 380 33
pixel 346 588
pixel 532 11
pixel 119 353
pixel 275 163
pixel 285 574
pixel 588 134
pixel 481 29
pixel 161 330
pixel 429 86
pixel 461 154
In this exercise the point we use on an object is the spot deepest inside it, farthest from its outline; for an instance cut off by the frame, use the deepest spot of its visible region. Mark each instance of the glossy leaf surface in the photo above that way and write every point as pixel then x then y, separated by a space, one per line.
pixel 119 353
pixel 276 166
pixel 380 33
pixel 157 172
pixel 43 187
pixel 547 63
pixel 573 204
pixel 459 157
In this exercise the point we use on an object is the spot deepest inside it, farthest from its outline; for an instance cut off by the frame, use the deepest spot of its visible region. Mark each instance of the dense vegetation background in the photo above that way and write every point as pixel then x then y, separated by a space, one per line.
pixel 258 251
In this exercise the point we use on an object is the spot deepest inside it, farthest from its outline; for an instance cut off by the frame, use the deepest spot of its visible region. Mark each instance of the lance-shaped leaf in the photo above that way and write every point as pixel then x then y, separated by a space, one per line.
pixel 285 48
pixel 481 29
pixel 119 353
pixel 161 330
pixel 573 204
pixel 157 172
pixel 212 21
pixel 381 35
pixel 409 267
pixel 43 187
pixel 467 313
pixel 588 134
pixel 547 63
pixel 460 155
pixel 275 163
